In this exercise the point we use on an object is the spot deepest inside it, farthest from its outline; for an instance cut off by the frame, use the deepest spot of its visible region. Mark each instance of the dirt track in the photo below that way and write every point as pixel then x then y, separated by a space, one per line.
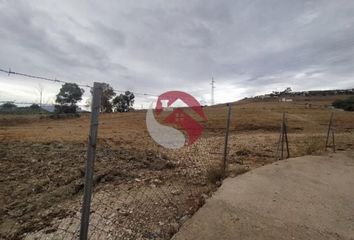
pixel 308 197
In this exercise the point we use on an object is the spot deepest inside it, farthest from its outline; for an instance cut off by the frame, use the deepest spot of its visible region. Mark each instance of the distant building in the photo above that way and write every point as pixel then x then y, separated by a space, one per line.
pixel 165 106
pixel 286 100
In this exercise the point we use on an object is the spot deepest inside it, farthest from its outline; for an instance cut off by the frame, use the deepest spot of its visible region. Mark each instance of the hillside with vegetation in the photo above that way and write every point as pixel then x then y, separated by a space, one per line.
pixel 315 95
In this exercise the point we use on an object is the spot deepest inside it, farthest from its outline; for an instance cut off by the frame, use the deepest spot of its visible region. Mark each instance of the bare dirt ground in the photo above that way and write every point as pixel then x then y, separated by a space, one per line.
pixel 309 197
pixel 142 191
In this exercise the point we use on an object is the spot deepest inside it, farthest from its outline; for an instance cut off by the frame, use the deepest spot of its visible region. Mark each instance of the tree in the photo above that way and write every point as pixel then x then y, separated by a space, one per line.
pixel 70 93
pixel 34 106
pixel 288 90
pixel 124 102
pixel 68 96
pixel 107 94
pixel 8 105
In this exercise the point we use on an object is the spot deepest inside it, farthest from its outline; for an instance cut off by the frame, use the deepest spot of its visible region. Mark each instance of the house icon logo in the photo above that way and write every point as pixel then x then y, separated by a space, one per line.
pixel 179 127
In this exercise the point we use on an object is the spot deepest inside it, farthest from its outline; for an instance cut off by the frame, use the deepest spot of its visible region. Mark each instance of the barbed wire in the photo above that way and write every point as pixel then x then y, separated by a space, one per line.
pixel 9 72
pixel 30 103
pixel 136 93
pixel 13 101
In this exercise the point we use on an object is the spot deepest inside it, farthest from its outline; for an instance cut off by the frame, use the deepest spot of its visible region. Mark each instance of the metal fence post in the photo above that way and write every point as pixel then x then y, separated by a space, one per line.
pixel 282 137
pixel 91 153
pixel 330 130
pixel 278 144
pixel 286 139
pixel 226 138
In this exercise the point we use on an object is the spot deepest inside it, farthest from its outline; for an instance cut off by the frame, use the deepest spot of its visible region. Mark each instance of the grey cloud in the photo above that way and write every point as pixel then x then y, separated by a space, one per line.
pixel 110 34
pixel 37 31
pixel 160 45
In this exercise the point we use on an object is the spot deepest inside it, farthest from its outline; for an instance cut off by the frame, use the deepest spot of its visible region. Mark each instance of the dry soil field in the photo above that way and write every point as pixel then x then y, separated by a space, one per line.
pixel 142 191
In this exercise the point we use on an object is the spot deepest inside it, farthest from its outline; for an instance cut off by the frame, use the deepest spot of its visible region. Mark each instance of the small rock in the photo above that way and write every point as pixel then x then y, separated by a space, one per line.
pixel 205 196
pixel 131 158
pixel 37 189
pixel 112 215
pixel 124 212
pixel 156 181
pixel 176 192
pixel 183 219
pixel 172 228
pixel 16 213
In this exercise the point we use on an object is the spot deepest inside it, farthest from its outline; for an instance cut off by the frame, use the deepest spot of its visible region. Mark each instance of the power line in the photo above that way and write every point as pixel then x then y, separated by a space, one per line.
pixel 9 72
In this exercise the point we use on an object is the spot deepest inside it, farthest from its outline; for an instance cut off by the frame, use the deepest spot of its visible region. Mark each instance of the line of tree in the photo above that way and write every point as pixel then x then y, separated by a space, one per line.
pixel 71 93
pixel 110 102
pixel 12 108
pixel 8 105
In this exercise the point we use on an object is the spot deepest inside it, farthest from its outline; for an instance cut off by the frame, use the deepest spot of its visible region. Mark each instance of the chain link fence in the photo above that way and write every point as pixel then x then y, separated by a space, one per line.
pixel 141 190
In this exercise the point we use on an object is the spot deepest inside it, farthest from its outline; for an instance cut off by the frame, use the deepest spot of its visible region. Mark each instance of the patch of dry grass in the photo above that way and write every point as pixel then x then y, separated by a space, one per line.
pixel 215 174
pixel 252 143
pixel 313 145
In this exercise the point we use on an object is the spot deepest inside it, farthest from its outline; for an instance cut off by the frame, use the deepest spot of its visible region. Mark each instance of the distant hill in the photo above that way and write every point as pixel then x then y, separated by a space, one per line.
pixel 288 95
pixel 11 108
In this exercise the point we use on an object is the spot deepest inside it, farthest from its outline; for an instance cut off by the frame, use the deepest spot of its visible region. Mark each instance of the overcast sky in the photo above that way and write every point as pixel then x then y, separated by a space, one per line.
pixel 250 47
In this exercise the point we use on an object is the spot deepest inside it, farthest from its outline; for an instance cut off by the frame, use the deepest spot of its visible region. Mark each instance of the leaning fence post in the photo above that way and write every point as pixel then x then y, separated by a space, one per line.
pixel 286 140
pixel 226 138
pixel 91 153
pixel 283 139
pixel 282 136
pixel 330 130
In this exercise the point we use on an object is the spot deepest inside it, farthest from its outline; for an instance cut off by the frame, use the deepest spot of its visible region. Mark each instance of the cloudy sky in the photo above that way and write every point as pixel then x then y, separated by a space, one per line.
pixel 250 47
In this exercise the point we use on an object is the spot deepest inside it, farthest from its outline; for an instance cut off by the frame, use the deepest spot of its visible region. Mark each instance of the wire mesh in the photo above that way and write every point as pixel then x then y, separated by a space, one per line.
pixel 145 193
pixel 141 190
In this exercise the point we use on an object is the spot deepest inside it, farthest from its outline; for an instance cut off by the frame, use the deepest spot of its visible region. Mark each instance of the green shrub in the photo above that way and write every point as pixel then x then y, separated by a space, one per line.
pixel 35 106
pixel 8 105
pixel 60 109
pixel 346 104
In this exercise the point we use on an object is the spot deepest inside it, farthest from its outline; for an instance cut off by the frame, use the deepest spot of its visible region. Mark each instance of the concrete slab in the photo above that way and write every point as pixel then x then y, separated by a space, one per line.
pixel 309 197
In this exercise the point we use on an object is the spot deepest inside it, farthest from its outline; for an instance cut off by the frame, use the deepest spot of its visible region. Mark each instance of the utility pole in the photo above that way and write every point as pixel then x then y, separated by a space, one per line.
pixel 212 90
